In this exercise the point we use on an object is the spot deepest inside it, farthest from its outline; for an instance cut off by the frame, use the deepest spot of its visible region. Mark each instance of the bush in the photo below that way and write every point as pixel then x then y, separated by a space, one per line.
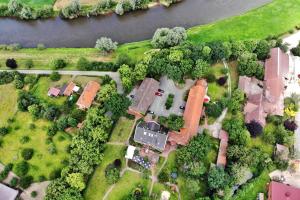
pixel 4 131
pixel 55 76
pixel 42 178
pixel 59 63
pixel 34 194
pixel 29 64
pixel 24 139
pixel 112 174
pixel 165 37
pixel 222 80
pixel 169 101
pixel 210 77
pixel 40 46
pixel 214 109
pixel 290 125
pixel 26 181
pixel 27 153
pixel 71 11
pixel 55 174
pixel 11 63
pixel 22 168
pixel 163 176
pixel 14 182
pixel 254 128
pixel 106 45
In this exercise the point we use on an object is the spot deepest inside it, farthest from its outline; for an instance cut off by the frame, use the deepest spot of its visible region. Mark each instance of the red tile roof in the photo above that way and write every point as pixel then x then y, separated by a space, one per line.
pixel 53 91
pixel 192 114
pixel 89 93
pixel 69 89
pixel 280 191
pixel 221 160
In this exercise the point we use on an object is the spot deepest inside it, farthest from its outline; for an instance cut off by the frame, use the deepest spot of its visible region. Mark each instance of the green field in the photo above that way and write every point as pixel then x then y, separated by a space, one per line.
pixel 97 185
pixel 43 85
pixel 42 163
pixel 33 3
pixel 122 130
pixel 8 105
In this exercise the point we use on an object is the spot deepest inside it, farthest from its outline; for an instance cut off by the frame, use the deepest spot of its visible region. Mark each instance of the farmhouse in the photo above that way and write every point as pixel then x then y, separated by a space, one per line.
pixel 7 193
pixel 280 191
pixel 53 92
pixel 68 89
pixel 192 114
pixel 150 134
pixel 144 97
pixel 88 95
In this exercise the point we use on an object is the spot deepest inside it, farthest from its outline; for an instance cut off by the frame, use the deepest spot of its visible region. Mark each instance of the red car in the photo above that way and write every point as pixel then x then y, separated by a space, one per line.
pixel 158 94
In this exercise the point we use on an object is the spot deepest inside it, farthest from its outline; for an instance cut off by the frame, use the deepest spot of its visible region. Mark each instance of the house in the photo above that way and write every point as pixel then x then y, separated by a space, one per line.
pixel 144 97
pixel 68 89
pixel 221 160
pixel 280 191
pixel 276 72
pixel 88 95
pixel 7 193
pixel 282 152
pixel 53 92
pixel 150 134
pixel 254 110
pixel 191 115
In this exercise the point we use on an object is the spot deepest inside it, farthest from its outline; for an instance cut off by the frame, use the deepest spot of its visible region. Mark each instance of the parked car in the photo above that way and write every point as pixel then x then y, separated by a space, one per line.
pixel 161 91
pixel 182 107
pixel 158 94
pixel 150 112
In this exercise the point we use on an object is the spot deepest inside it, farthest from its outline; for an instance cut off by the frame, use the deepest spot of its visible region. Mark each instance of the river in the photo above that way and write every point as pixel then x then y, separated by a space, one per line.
pixel 134 26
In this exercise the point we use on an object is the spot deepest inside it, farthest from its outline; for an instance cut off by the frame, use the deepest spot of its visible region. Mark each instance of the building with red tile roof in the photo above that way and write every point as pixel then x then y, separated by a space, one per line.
pixel 192 115
pixel 53 92
pixel 280 191
pixel 69 89
pixel 222 155
pixel 88 95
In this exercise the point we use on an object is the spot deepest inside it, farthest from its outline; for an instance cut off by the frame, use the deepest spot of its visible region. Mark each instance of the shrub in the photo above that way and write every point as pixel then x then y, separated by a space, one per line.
pixel 29 64
pixel 169 101
pixel 106 45
pixel 71 11
pixel 11 63
pixel 27 153
pixel 21 168
pixel 14 182
pixel 4 131
pixel 222 80
pixel 52 148
pixel 55 76
pixel 210 77
pixel 254 128
pixel 112 174
pixel 34 194
pixel 26 181
pixel 165 37
pixel 163 176
pixel 83 63
pixel 290 125
pixel 214 109
pixel 59 63
pixel 42 178
pixel 55 174
pixel 24 139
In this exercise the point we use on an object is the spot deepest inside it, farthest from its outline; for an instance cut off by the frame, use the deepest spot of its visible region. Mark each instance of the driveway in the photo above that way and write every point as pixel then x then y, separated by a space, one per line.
pixel 114 75
pixel 158 106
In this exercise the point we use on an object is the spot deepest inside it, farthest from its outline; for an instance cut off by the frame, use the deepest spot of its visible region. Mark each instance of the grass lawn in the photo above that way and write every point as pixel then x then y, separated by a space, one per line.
pixel 215 91
pixel 83 80
pixel 251 189
pixel 41 89
pixel 42 59
pixel 97 185
pixel 42 163
pixel 34 3
pixel 8 106
pixel 122 130
pixel 259 143
pixel 126 184
pixel 158 188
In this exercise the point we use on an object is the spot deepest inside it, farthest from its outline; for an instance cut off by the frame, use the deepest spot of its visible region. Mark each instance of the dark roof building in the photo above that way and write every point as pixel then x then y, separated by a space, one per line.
pixel 280 191
pixel 144 96
pixel 151 134
pixel 7 193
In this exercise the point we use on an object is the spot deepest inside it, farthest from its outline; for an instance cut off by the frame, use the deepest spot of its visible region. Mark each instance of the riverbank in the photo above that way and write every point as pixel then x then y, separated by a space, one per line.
pixel 271 19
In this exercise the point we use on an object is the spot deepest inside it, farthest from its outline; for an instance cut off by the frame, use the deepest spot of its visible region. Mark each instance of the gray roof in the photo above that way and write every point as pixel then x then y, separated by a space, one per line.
pixel 145 95
pixel 7 193
pixel 149 133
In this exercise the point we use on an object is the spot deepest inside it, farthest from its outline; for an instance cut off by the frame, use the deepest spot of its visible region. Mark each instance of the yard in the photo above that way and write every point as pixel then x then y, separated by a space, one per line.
pixel 97 185
pixel 42 162
pixel 34 3
pixel 122 130
pixel 215 91
pixel 8 106
pixel 83 80
pixel 43 85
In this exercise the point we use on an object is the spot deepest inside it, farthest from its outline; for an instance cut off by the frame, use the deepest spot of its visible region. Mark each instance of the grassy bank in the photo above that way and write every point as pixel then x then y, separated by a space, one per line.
pixel 33 3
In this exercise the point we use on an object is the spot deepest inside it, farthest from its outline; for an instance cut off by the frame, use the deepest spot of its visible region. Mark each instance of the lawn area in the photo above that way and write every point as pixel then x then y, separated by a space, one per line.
pixel 97 185
pixel 158 188
pixel 122 130
pixel 42 59
pixel 251 189
pixel 215 91
pixel 275 18
pixel 41 89
pixel 34 3
pixel 8 106
pixel 259 143
pixel 126 184
pixel 42 163
pixel 83 80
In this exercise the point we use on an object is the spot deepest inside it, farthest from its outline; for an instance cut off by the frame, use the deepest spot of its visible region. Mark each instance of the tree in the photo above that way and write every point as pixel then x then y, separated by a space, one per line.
pixel 248 66
pixel 55 76
pixel 112 174
pixel 76 180
pixel 254 128
pixel 117 104
pixel 140 71
pixel 106 91
pixel 27 13
pixel 21 168
pixel 262 50
pixel 201 69
pixel 217 178
pixel 222 80
pixel 106 45
pixel 165 37
pixel 4 131
pixel 14 6
pixel 237 100
pixel 25 181
pixel 214 109
pixel 290 125
pixel 11 63
pixel 27 153
pixel 175 122
pixel 29 63
pixel 83 63
pixel 126 77
pixel 72 10
pixel 119 8
pixel 239 173
pixel 59 63
pixel 34 110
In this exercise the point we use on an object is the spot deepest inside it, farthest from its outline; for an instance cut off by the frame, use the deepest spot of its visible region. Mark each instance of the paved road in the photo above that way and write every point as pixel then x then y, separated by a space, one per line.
pixel 114 75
